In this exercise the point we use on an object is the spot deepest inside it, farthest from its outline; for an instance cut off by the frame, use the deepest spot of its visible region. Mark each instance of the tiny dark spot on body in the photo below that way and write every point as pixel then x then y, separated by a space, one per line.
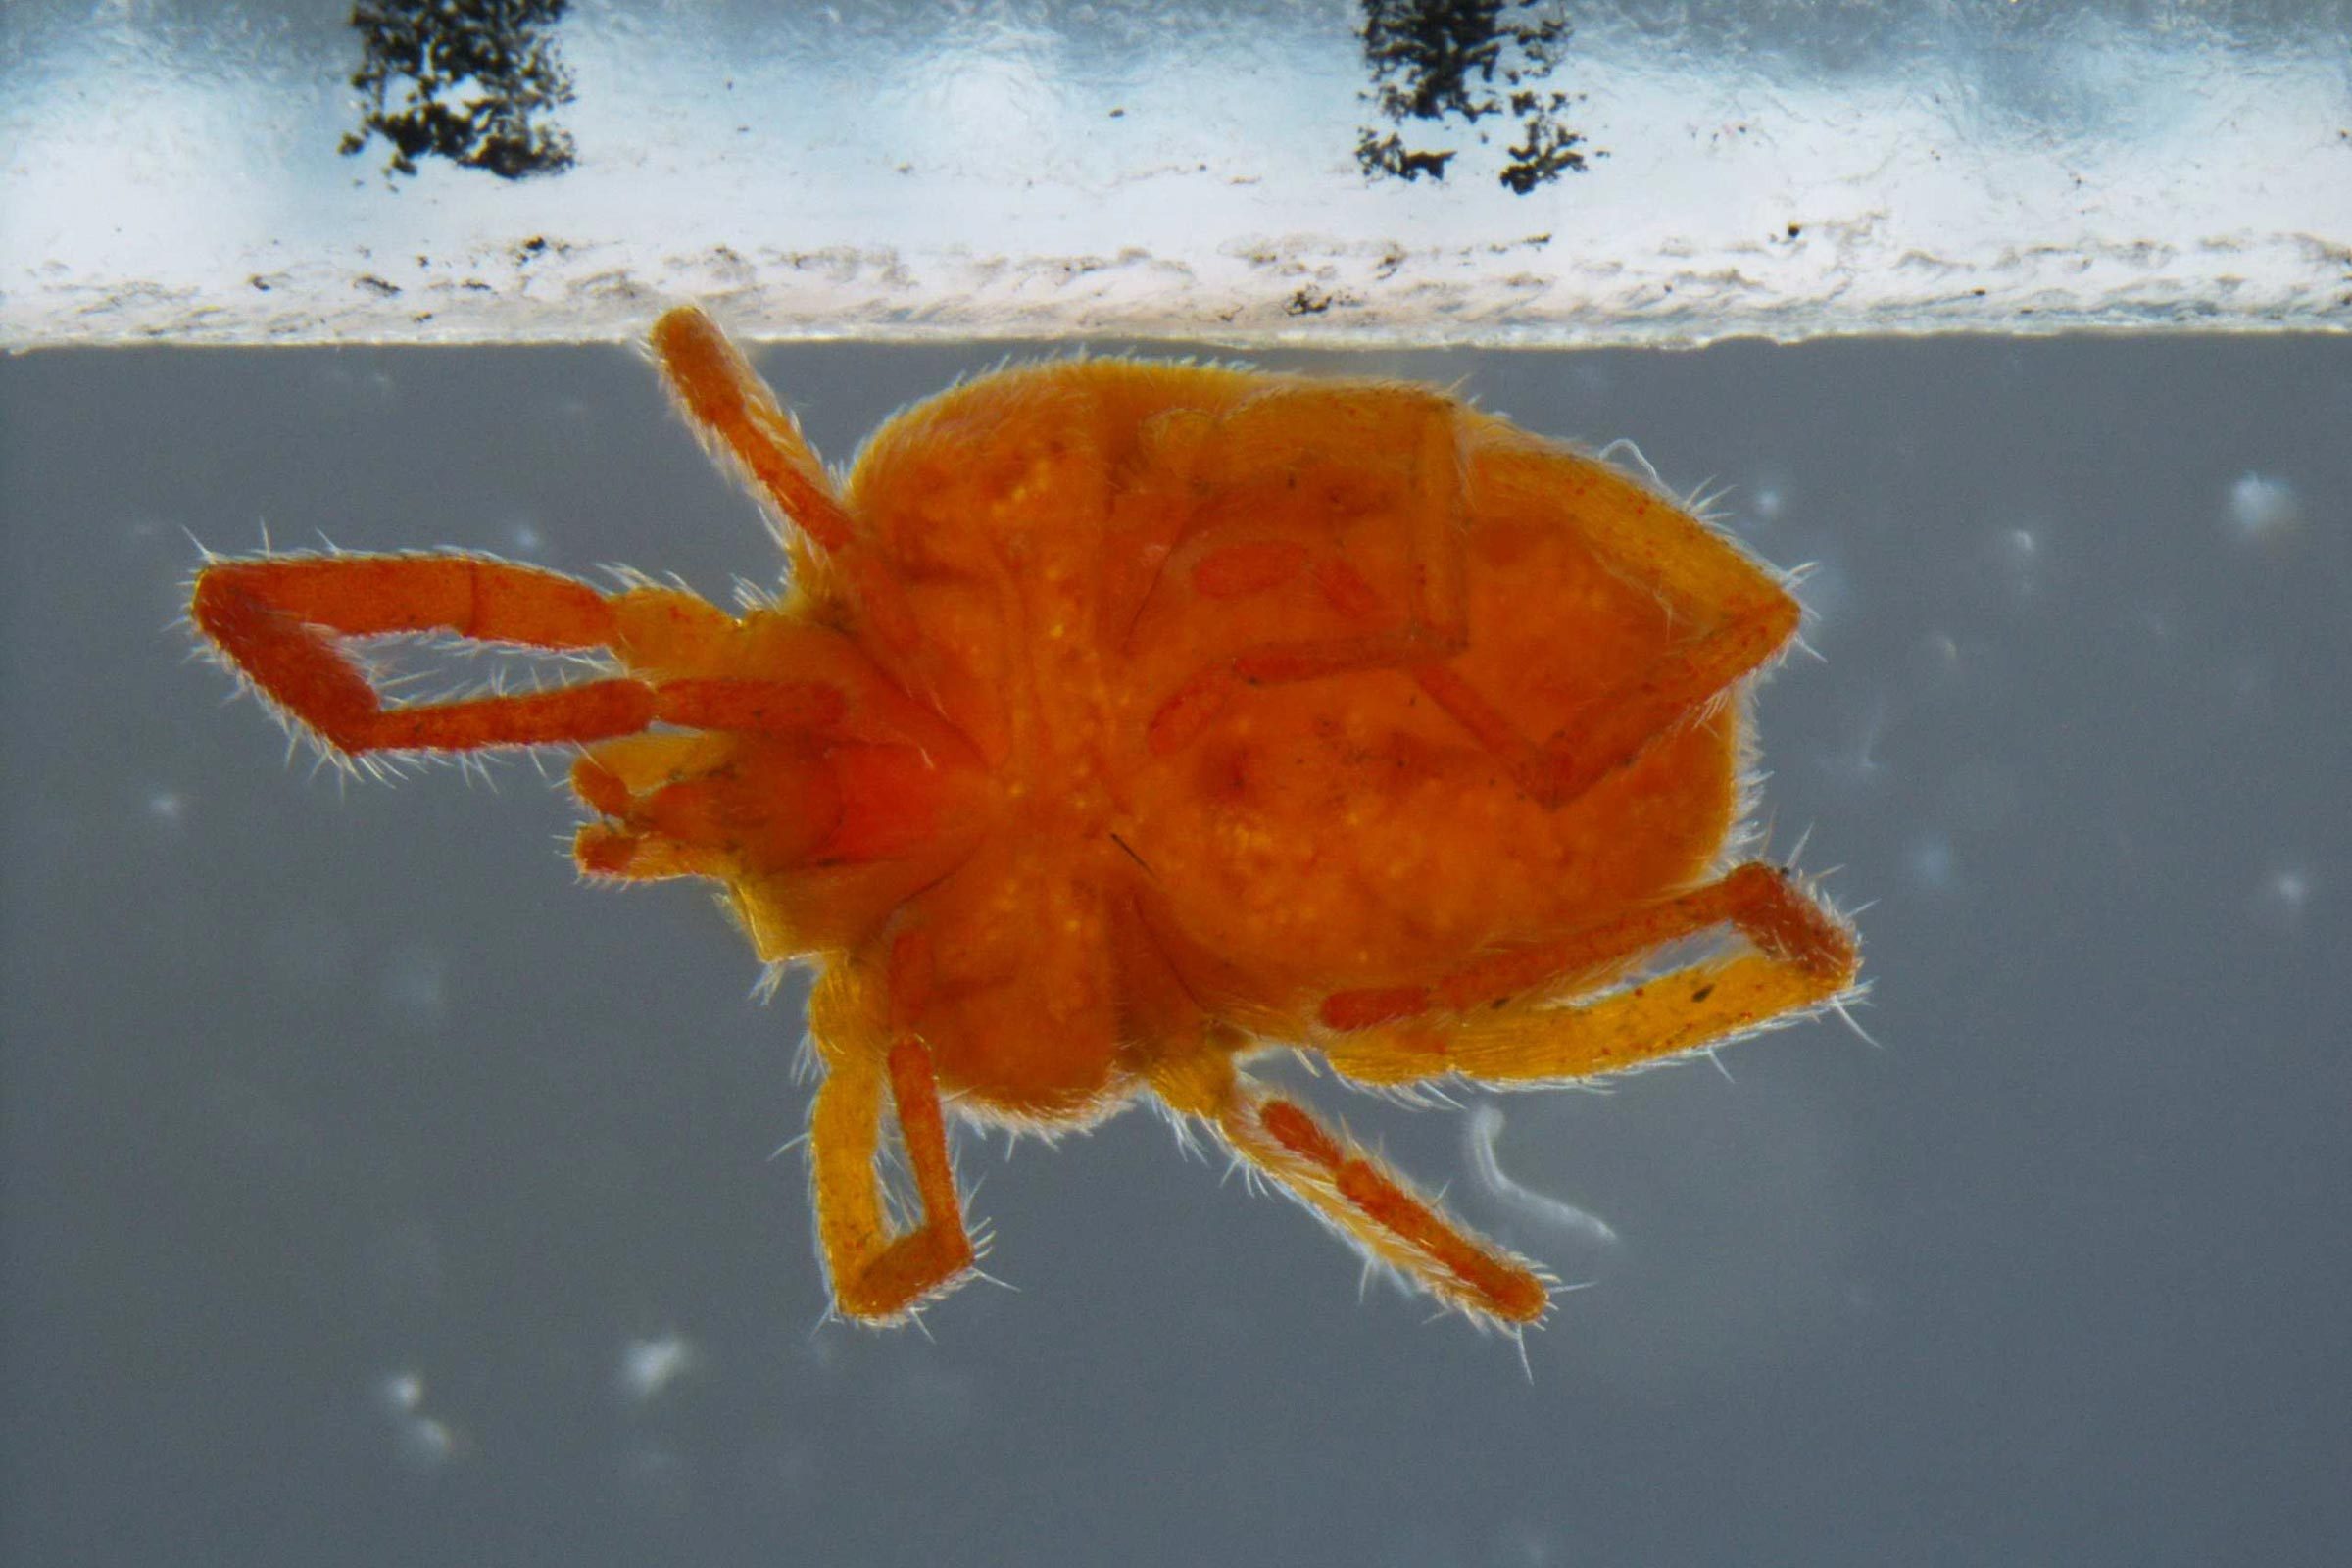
pixel 1132 856
pixel 1703 993
pixel 1119 114
pixel 375 285
pixel 1796 229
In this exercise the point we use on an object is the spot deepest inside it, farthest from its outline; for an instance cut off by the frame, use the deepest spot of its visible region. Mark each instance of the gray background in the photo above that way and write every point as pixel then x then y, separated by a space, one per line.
pixel 350 1147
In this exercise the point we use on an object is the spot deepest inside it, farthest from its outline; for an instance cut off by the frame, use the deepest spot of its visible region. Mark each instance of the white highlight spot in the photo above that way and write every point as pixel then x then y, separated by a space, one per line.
pixel 402 1392
pixel 1932 862
pixel 168 806
pixel 416 984
pixel 648 1366
pixel 2285 897
pixel 2021 556
pixel 421 1441
pixel 2264 509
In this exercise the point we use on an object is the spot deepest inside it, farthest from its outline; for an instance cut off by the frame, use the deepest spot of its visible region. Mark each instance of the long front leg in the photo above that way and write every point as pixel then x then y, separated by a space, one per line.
pixel 1351 1191
pixel 279 621
pixel 880 1274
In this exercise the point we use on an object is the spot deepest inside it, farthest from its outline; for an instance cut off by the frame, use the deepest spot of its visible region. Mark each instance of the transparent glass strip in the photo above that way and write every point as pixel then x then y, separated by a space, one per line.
pixel 1197 169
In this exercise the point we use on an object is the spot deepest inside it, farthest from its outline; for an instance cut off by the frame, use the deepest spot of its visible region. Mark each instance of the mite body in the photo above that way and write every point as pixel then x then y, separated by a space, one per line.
pixel 1119 721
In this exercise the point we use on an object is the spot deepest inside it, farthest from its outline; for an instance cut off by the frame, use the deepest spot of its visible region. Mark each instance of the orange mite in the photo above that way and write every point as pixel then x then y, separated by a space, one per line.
pixel 1121 721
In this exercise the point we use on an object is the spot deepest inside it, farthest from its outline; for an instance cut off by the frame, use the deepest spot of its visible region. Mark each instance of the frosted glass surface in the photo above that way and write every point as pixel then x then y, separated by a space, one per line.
pixel 889 169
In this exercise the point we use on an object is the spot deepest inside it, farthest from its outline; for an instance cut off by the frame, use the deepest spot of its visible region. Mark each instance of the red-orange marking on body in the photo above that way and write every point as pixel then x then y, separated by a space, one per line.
pixel 1343 588
pixel 1240 570
pixel 1196 702
pixel 1342 656
pixel 1494 732
pixel 1366 1009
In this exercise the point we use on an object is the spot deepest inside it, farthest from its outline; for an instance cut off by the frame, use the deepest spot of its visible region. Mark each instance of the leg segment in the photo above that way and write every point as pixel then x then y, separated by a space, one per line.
pixel 736 412
pixel 1750 617
pixel 1354 1192
pixel 628 782
pixel 278 619
pixel 1496 1021
pixel 730 405
pixel 1738 615
pixel 878 1276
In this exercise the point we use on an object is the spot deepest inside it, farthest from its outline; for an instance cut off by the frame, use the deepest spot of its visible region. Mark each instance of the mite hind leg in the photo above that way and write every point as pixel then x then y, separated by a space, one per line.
pixel 1352 1191
pixel 1500 1020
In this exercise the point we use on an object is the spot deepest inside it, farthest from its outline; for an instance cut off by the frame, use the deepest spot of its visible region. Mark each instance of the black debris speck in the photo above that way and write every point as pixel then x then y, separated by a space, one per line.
pixel 469 80
pixel 1436 63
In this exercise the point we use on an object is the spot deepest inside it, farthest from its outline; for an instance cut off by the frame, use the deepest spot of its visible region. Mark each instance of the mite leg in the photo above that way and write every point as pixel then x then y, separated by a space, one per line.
pixel 278 622
pixel 879 1276
pixel 1351 1191
pixel 729 406
pixel 1746 618
pixel 737 413
pixel 620 780
pixel 1496 1021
